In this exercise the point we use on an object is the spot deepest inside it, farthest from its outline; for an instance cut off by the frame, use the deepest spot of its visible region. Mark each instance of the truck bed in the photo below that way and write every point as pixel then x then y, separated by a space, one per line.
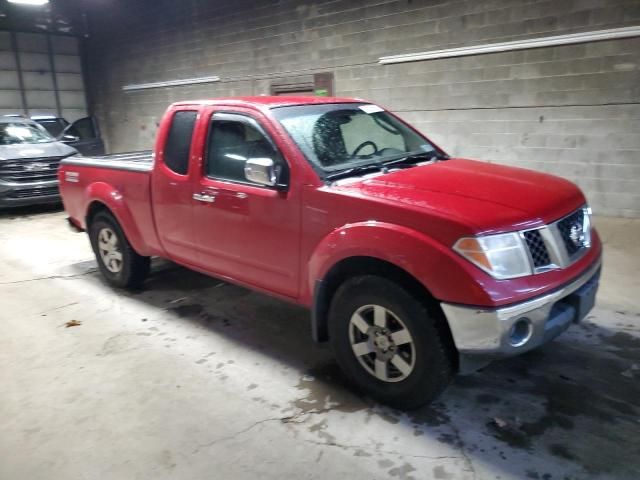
pixel 122 182
pixel 141 161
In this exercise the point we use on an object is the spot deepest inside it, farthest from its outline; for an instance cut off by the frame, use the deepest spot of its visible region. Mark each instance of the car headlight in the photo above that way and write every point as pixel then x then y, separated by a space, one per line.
pixel 501 256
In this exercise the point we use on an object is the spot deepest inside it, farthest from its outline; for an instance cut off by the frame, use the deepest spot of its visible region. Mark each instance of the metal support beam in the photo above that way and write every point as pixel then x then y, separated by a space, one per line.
pixel 23 96
pixel 54 76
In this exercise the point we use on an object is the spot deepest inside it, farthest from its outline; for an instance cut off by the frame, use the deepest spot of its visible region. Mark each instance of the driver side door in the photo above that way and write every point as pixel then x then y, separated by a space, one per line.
pixel 246 231
pixel 84 136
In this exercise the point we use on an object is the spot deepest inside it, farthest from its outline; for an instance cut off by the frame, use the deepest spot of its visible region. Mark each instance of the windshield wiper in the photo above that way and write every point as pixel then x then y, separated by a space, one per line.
pixel 417 157
pixel 383 166
pixel 359 170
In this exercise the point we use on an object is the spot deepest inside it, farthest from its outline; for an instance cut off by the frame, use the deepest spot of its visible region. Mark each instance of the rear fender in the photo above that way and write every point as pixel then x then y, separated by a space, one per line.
pixel 113 200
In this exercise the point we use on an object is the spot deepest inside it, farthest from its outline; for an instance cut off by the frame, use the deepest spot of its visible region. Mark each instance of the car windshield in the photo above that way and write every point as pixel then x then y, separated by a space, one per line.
pixel 344 136
pixel 55 126
pixel 14 133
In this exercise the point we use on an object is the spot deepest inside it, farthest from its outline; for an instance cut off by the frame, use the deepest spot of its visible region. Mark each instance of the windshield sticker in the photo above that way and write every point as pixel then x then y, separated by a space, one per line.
pixel 371 108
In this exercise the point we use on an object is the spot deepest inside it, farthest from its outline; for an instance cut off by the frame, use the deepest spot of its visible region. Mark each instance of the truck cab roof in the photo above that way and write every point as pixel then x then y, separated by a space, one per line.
pixel 269 101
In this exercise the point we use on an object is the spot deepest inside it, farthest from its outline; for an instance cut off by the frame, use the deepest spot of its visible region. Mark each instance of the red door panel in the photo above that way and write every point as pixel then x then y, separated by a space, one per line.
pixel 247 232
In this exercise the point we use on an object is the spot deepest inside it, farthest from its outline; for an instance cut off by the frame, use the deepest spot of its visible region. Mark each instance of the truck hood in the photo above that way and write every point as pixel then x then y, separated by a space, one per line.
pixel 35 150
pixel 485 196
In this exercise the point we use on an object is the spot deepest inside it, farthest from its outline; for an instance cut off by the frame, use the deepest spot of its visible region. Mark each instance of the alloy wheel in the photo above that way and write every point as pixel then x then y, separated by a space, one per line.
pixel 382 343
pixel 109 248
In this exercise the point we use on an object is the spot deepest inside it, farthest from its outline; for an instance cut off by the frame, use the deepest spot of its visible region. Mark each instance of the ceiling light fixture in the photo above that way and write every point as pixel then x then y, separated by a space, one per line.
pixel 37 3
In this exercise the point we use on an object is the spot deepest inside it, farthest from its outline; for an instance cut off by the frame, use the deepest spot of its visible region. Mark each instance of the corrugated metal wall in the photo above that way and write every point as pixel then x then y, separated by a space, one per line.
pixel 41 74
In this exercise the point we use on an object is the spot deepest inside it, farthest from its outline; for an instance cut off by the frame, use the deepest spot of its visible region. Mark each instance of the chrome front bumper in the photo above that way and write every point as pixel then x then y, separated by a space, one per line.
pixel 482 335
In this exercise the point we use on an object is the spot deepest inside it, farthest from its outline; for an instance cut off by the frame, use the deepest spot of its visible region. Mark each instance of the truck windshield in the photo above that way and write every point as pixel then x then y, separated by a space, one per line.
pixel 345 136
pixel 14 133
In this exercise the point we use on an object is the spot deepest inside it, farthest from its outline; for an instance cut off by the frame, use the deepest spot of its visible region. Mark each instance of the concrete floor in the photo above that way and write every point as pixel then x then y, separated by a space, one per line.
pixel 198 379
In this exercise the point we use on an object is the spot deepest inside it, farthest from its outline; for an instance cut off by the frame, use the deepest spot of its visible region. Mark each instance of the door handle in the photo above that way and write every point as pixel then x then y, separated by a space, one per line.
pixel 203 197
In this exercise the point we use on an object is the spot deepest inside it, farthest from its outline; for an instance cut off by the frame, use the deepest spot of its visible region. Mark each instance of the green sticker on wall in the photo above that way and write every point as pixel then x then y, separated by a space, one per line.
pixel 321 92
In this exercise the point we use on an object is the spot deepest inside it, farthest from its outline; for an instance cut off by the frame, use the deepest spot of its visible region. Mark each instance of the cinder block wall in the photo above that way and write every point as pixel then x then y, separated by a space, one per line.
pixel 573 111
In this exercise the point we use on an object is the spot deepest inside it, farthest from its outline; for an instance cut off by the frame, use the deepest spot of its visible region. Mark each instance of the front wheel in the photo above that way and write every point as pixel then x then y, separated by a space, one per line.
pixel 386 341
pixel 119 263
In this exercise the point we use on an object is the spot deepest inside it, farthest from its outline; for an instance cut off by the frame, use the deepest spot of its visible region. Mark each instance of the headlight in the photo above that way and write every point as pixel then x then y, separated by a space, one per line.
pixel 501 256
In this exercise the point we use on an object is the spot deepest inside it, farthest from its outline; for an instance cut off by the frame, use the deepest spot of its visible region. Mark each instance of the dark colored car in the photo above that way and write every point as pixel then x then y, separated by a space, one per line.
pixel 83 134
pixel 29 159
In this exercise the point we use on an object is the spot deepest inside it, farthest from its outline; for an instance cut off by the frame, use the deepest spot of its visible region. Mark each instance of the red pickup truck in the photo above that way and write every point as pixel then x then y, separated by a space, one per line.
pixel 415 265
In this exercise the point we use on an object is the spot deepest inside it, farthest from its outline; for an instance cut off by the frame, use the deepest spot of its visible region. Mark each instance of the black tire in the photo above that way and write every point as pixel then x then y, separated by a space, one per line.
pixel 432 364
pixel 134 267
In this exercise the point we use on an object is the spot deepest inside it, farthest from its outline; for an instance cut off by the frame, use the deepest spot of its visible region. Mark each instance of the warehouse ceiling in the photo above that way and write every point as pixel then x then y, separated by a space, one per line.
pixel 78 17
pixel 66 17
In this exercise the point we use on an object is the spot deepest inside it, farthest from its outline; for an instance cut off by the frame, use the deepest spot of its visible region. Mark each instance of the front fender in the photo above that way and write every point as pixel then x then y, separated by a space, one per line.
pixel 111 198
pixel 442 272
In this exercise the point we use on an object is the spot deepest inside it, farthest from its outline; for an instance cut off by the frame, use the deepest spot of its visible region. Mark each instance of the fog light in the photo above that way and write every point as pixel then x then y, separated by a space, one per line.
pixel 520 332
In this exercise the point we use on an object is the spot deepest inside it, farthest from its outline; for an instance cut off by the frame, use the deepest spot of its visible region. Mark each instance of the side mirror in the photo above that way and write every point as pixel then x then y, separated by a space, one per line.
pixel 261 171
pixel 67 138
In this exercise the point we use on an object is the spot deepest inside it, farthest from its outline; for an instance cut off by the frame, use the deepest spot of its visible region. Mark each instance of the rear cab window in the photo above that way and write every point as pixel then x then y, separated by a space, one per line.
pixel 178 144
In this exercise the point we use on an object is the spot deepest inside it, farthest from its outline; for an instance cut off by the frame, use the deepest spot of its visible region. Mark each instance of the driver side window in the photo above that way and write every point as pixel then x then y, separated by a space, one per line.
pixel 233 140
pixel 83 129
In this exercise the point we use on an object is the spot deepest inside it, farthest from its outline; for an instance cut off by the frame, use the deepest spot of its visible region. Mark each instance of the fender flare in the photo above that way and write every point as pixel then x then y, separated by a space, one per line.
pixel 401 246
pixel 413 252
pixel 113 200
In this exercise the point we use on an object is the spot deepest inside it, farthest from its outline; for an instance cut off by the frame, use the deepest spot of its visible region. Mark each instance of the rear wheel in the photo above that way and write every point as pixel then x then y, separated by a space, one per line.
pixel 388 343
pixel 119 263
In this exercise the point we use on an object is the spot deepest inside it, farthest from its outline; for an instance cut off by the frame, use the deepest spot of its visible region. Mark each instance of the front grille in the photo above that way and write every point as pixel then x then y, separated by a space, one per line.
pixel 34 192
pixel 571 232
pixel 559 244
pixel 30 170
pixel 537 248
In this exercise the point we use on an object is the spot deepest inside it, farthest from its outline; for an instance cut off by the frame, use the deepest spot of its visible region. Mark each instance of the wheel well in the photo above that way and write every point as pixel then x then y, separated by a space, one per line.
pixel 94 209
pixel 356 266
